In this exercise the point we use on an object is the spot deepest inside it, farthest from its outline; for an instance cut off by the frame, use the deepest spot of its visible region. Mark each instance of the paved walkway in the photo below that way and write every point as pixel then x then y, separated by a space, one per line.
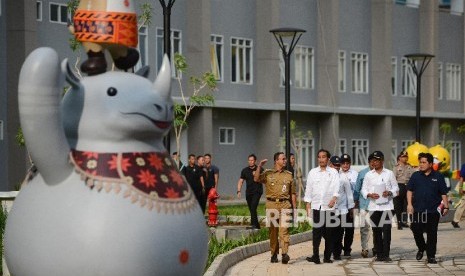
pixel 450 254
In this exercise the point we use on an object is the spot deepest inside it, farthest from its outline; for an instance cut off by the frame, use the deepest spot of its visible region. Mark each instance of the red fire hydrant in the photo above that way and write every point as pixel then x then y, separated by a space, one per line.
pixel 212 208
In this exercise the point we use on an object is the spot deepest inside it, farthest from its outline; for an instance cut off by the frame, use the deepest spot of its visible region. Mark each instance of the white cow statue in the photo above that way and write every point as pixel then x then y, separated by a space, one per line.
pixel 107 198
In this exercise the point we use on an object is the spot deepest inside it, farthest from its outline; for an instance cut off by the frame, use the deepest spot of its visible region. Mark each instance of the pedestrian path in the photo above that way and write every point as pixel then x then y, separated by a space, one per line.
pixel 450 256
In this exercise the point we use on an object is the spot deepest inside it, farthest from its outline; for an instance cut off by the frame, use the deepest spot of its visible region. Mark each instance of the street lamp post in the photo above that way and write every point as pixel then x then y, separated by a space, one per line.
pixel 292 35
pixel 167 46
pixel 419 62
pixel 167 25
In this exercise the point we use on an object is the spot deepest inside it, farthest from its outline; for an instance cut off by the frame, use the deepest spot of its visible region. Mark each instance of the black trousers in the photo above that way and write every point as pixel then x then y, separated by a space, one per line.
pixel 400 204
pixel 323 228
pixel 382 232
pixel 426 222
pixel 252 201
pixel 344 235
pixel 203 204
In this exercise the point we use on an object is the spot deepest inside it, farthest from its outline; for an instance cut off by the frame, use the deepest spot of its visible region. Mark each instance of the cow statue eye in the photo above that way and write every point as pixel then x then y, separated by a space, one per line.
pixel 112 91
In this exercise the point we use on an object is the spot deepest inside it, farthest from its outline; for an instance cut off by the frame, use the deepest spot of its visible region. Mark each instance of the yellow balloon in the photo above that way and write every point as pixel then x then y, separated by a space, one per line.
pixel 442 155
pixel 413 150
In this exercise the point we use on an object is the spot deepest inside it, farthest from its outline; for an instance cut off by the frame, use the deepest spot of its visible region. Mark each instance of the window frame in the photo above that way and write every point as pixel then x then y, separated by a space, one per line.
pixel 343 148
pixel 214 45
pixel 453 81
pixel 394 76
pixel 60 6
pixel 307 155
pixel 236 70
pixel 304 63
pixel 359 72
pixel 1 130
pixel 440 80
pixel 455 154
pixel 143 36
pixel 409 80
pixel 394 151
pixel 39 10
pixel 159 34
pixel 360 151
pixel 226 142
pixel 342 71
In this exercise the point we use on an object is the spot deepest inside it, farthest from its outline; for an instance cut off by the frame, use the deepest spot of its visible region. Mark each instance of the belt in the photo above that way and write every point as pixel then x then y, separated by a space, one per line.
pixel 277 199
pixel 402 183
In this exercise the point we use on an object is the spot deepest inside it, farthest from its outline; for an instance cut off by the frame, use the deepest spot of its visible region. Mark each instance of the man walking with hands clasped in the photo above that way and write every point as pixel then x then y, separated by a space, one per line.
pixel 425 191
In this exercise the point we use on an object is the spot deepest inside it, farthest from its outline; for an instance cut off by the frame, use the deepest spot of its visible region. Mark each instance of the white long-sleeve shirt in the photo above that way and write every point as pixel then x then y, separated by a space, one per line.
pixel 346 195
pixel 322 186
pixel 372 179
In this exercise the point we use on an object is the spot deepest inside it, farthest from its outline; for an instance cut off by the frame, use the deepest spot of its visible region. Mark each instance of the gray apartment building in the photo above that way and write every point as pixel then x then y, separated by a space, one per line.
pixel 351 86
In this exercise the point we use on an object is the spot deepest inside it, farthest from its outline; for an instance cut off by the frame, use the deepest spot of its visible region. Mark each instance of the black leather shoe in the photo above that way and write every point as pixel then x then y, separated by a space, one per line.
pixel 432 261
pixel 387 260
pixel 328 261
pixel 129 61
pixel 419 255
pixel 337 258
pixel 314 259
pixel 95 64
pixel 399 226
pixel 380 259
pixel 455 224
pixel 285 259
pixel 274 258
pixel 347 253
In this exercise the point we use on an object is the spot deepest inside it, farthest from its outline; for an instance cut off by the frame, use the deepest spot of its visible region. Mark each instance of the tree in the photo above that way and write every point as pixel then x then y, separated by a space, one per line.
pixel 297 135
pixel 445 128
pixel 198 98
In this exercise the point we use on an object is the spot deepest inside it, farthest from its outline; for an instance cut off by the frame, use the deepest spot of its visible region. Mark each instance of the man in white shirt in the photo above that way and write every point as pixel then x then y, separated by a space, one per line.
pixel 321 194
pixel 344 208
pixel 380 187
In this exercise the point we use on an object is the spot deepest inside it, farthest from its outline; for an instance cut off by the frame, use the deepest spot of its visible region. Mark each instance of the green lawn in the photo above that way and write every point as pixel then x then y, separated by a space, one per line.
pixel 239 210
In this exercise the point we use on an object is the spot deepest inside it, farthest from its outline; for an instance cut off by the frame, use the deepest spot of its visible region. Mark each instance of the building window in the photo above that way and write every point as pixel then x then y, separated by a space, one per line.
pixel 359 66
pixel 1 130
pixel 394 152
pixel 143 48
pixel 58 13
pixel 359 152
pixel 227 136
pixel 404 144
pixel 342 146
pixel 453 81
pixel 241 60
pixel 440 81
pixel 394 76
pixel 409 80
pixel 307 155
pixel 39 10
pixel 304 67
pixel 176 47
pixel 455 153
pixel 341 75
pixel 216 56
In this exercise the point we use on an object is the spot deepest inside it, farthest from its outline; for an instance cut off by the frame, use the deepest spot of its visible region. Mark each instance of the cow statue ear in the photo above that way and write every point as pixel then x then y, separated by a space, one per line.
pixel 71 77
